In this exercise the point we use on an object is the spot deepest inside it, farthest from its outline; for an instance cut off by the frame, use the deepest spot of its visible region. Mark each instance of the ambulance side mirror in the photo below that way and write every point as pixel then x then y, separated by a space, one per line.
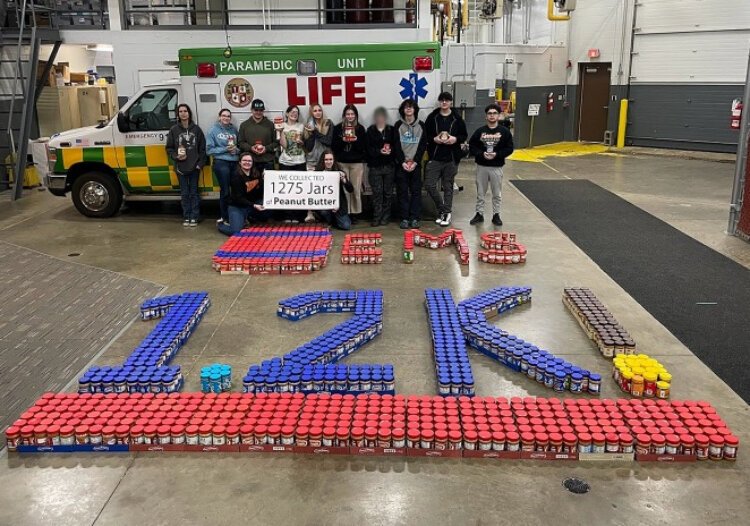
pixel 123 124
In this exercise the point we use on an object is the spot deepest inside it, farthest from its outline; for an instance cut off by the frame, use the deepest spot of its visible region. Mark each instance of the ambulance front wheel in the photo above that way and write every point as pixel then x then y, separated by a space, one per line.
pixel 97 195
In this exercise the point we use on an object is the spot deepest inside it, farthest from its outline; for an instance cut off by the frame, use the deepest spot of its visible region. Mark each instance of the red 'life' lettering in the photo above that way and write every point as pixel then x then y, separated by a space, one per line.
pixel 331 88
pixel 323 90
pixel 355 89
pixel 291 91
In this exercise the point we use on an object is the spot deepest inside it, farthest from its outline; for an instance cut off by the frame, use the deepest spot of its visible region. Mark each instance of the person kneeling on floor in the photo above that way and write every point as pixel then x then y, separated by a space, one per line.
pixel 339 217
pixel 490 145
pixel 245 196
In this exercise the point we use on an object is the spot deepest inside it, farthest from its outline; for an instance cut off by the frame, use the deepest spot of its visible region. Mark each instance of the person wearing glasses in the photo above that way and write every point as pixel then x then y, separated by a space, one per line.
pixel 221 144
pixel 445 131
pixel 245 196
pixel 490 145
pixel 258 136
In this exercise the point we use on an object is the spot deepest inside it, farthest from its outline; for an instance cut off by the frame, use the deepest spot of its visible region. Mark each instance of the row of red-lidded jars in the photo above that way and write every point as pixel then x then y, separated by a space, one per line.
pixel 703 447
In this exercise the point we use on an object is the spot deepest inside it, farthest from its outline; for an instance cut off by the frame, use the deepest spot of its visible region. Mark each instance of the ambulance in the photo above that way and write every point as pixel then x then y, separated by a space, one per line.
pixel 125 159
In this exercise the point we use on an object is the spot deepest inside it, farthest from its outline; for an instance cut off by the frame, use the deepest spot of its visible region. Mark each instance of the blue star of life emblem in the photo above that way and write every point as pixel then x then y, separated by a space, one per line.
pixel 413 87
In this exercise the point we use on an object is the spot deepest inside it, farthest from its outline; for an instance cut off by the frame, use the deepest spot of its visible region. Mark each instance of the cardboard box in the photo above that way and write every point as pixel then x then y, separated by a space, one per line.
pixel 666 458
pixel 378 451
pixel 606 457
pixel 547 455
pixel 447 453
pixel 323 450
pixel 509 455
pixel 78 78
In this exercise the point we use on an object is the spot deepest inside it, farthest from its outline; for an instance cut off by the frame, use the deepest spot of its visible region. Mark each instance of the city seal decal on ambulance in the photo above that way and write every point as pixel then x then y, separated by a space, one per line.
pixel 238 92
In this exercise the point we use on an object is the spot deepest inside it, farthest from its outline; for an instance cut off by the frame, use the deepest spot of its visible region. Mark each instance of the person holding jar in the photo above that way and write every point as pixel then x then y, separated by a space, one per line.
pixel 245 196
pixel 292 144
pixel 293 153
pixel 221 144
pixel 380 140
pixel 186 146
pixel 349 145
pixel 258 135
pixel 339 217
pixel 318 135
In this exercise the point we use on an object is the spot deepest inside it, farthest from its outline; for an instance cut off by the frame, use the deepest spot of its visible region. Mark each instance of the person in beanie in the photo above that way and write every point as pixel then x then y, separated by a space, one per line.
pixel 186 146
pixel 490 145
pixel 446 131
pixel 408 150
pixel 258 136
pixel 380 142
pixel 221 144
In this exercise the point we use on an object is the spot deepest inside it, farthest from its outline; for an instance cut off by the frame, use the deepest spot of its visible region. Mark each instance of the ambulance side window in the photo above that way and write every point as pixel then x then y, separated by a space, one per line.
pixel 154 111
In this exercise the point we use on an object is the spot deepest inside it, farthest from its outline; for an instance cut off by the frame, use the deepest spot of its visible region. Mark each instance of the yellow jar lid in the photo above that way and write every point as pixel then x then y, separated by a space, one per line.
pixel 628 375
pixel 650 376
pixel 662 385
pixel 666 377
pixel 638 370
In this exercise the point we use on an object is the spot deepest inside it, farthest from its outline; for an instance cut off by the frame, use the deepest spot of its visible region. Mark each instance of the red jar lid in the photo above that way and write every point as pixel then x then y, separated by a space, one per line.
pixel 611 437
pixel 454 436
pixel 485 436
pixel 625 438
pixel 569 438
pixel 428 434
pixel 584 437
pixel 498 436
pixel 302 431
pixel 107 430
pixel 716 439
pixel 205 429
pixel 512 436
pixel 686 438
pixel 541 437
pixel 658 438
pixel 527 436
pixel 732 441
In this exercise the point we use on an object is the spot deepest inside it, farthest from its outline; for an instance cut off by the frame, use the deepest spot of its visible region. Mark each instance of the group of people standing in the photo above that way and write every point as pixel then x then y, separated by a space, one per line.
pixel 392 153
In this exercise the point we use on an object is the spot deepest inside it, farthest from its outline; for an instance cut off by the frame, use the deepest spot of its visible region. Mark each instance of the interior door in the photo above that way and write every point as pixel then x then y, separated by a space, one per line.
pixel 594 101
pixel 208 103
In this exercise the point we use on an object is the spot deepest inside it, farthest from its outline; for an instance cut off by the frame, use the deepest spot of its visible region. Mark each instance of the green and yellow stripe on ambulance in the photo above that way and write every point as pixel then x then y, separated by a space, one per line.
pixel 141 169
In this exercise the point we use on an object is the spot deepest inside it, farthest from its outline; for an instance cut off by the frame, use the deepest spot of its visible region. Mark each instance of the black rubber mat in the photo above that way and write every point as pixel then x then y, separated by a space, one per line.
pixel 701 296
pixel 55 316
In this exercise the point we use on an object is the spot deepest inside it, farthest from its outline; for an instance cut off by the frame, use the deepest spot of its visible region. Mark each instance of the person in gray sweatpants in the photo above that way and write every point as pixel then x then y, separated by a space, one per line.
pixel 490 145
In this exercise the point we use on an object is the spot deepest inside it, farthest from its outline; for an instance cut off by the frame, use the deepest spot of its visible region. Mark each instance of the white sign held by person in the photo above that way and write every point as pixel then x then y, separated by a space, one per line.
pixel 288 190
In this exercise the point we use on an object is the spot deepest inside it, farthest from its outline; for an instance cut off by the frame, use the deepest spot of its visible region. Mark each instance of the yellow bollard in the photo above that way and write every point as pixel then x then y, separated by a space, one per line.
pixel 623 123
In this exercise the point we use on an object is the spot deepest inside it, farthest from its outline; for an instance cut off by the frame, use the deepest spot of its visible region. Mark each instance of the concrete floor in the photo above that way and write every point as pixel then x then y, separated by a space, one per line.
pixel 241 328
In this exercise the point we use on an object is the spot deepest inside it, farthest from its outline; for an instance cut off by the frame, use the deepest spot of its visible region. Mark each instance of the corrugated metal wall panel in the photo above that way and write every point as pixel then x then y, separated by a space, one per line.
pixel 690 57
pixel 692 15
pixel 682 116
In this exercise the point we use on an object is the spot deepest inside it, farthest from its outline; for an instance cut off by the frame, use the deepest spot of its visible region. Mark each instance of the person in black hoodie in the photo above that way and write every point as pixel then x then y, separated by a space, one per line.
pixel 186 146
pixel 381 138
pixel 408 150
pixel 245 196
pixel 339 217
pixel 490 145
pixel 350 148
pixel 446 131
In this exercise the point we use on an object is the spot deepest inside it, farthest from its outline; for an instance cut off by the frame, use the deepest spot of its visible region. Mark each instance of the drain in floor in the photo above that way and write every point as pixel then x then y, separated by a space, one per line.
pixel 74 254
pixel 575 485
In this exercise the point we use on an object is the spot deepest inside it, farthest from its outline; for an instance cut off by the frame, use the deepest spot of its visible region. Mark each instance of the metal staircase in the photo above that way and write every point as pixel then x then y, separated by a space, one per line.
pixel 20 84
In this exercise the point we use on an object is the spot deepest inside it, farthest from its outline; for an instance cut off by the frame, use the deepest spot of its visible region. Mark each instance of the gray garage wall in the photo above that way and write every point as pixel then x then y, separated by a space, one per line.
pixel 683 116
